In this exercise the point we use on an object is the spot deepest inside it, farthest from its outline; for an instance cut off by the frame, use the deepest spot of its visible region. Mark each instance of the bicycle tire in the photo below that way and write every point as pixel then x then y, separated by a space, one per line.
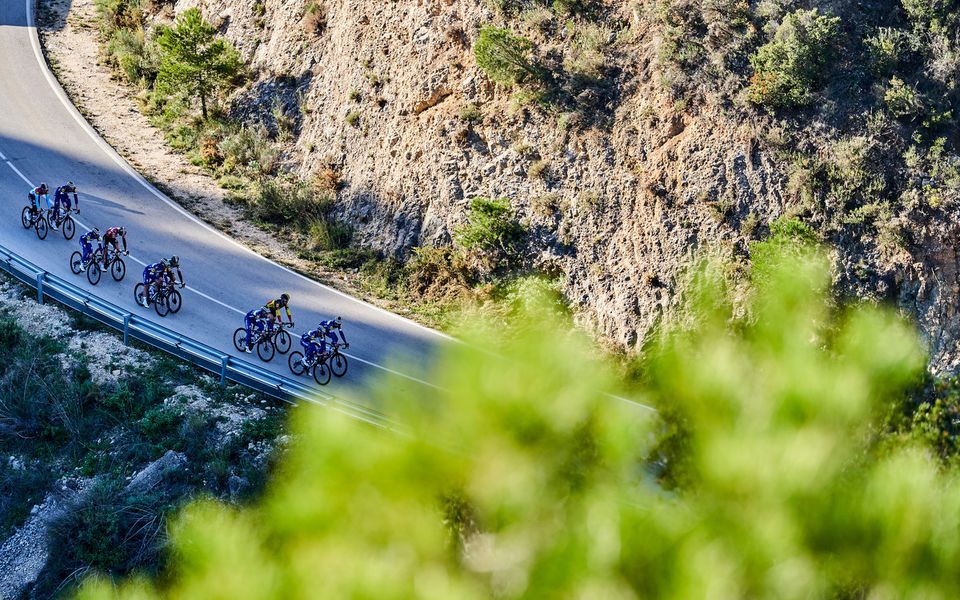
pixel 160 305
pixel 265 350
pixel 93 272
pixel 293 361
pixel 174 301
pixel 282 341
pixel 25 217
pixel 118 269
pixel 41 227
pixel 137 291
pixel 338 364
pixel 68 227
pixel 75 263
pixel 321 373
pixel 240 339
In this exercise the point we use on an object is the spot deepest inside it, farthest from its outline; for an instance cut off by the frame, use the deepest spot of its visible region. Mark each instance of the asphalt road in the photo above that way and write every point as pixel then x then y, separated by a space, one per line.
pixel 44 138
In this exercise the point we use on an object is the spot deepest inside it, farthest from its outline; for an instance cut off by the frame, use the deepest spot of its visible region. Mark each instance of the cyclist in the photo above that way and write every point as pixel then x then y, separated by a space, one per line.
pixel 86 243
pixel 273 309
pixel 256 318
pixel 310 348
pixel 328 328
pixel 110 239
pixel 62 196
pixel 160 273
pixel 34 196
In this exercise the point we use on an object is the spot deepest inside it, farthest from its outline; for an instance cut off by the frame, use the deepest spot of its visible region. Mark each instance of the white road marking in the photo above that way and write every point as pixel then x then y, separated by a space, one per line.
pixel 17 171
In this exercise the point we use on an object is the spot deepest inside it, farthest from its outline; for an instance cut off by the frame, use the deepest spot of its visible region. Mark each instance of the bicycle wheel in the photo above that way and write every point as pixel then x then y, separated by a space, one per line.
pixel 174 301
pixel 240 339
pixel 281 341
pixel 25 217
pixel 93 272
pixel 160 305
pixel 265 350
pixel 118 269
pixel 41 227
pixel 68 227
pixel 75 263
pixel 338 364
pixel 293 361
pixel 137 292
pixel 321 373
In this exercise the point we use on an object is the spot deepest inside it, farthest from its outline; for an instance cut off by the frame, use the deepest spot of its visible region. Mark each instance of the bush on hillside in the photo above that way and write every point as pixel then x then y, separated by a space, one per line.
pixel 504 56
pixel 788 68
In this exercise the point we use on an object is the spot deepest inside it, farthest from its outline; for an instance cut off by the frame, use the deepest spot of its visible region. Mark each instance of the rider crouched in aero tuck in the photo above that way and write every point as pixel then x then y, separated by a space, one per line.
pixel 255 319
pixel 160 273
pixel 34 196
pixel 86 244
pixel 62 197
pixel 113 237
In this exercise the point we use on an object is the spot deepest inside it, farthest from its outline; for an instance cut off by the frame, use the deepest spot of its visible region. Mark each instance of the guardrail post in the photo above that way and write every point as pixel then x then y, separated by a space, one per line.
pixel 40 278
pixel 223 370
pixel 126 328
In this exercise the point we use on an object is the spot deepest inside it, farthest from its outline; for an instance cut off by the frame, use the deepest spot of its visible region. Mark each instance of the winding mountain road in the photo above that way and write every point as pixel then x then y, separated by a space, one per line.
pixel 44 138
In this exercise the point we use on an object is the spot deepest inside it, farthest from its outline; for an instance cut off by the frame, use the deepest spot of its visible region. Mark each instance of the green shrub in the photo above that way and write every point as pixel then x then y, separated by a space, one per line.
pixel 353 118
pixel 788 68
pixel 902 99
pixel 119 14
pixel 326 234
pixel 249 151
pixel 504 56
pixel 491 227
pixel 886 49
pixel 471 113
pixel 347 258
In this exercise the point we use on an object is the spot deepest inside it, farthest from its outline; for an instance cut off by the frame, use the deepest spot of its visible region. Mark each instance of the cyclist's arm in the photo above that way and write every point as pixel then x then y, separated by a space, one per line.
pixel 342 338
pixel 124 243
pixel 289 317
pixel 179 274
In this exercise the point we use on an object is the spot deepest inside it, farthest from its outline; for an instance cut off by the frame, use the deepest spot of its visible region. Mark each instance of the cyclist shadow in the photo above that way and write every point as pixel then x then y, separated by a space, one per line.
pixel 101 202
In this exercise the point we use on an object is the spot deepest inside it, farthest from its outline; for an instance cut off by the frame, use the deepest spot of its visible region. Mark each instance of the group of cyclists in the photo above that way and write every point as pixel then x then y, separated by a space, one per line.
pixel 265 319
pixel 166 272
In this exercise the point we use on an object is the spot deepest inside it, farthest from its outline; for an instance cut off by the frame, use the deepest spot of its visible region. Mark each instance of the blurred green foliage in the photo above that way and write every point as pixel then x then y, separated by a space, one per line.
pixel 522 478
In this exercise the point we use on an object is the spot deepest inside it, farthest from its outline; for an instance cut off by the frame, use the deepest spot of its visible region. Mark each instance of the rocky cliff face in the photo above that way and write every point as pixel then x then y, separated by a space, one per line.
pixel 617 195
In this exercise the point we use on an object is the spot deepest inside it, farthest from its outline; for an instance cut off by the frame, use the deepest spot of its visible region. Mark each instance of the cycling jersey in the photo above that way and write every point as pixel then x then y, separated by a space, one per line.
pixel 86 242
pixel 274 306
pixel 329 330
pixel 309 342
pixel 62 195
pixel 110 238
pixel 254 319
pixel 35 194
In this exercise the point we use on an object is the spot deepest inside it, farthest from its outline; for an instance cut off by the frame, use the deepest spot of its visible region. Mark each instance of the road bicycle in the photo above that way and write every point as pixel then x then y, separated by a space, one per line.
pixel 92 265
pixel 336 360
pixel 165 298
pixel 115 264
pixel 34 218
pixel 260 339
pixel 65 222
pixel 317 367
pixel 280 338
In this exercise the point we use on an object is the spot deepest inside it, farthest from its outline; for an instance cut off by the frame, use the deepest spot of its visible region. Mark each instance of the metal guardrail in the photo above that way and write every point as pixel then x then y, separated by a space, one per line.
pixel 201 355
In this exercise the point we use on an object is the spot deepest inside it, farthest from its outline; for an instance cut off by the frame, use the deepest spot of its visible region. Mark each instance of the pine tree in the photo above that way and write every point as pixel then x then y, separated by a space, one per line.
pixel 196 62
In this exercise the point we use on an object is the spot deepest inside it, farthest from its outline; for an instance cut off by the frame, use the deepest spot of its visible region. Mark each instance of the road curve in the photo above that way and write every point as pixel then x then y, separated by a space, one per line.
pixel 44 138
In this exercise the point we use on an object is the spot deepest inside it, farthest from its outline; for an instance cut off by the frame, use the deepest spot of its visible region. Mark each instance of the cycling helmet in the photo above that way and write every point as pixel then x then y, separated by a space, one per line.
pixel 71 187
pixel 123 231
pixel 174 260
pixel 43 188
pixel 339 322
pixel 96 230
pixel 285 298
pixel 165 262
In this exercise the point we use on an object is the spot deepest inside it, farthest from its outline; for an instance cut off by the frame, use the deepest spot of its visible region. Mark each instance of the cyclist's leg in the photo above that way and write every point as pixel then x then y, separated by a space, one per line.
pixel 147 280
pixel 86 253
pixel 248 323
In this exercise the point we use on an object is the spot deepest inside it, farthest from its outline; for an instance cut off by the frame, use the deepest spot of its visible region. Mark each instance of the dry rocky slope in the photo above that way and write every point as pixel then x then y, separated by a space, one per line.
pixel 619 198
